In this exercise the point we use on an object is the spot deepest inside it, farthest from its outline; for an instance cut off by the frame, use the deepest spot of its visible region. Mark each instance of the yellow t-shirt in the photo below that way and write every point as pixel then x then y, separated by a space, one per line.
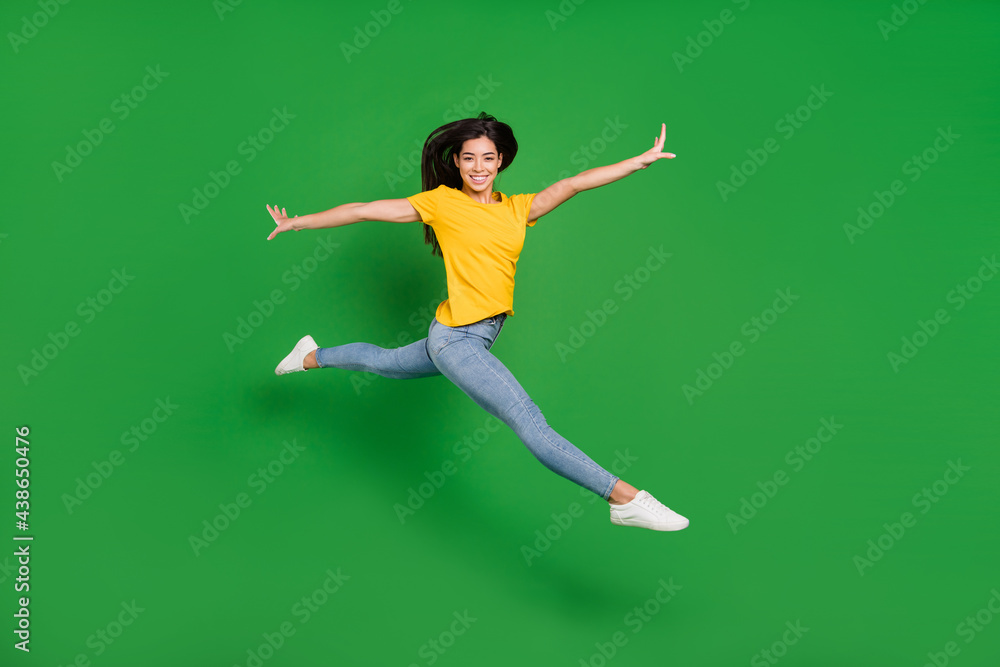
pixel 481 244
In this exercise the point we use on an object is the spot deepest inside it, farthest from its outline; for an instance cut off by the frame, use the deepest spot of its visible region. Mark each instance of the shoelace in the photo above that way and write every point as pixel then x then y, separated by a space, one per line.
pixel 652 504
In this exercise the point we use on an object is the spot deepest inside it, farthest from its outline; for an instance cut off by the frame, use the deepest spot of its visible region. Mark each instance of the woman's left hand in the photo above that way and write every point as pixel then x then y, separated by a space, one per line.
pixel 656 152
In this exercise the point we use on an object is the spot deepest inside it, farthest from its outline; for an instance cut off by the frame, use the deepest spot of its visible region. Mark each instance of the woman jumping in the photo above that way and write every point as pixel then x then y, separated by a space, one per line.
pixel 479 234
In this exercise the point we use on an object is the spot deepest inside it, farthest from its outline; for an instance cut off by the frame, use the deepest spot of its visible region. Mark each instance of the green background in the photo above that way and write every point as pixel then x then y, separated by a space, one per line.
pixel 557 74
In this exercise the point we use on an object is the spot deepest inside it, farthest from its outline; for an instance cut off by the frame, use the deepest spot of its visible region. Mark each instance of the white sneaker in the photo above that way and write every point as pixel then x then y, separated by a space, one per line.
pixel 293 362
pixel 645 511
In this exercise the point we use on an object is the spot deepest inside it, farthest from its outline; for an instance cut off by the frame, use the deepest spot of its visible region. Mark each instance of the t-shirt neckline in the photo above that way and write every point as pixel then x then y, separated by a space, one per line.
pixel 502 198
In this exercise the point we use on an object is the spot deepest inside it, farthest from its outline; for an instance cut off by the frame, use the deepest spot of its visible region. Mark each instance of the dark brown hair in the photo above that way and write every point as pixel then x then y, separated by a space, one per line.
pixel 437 165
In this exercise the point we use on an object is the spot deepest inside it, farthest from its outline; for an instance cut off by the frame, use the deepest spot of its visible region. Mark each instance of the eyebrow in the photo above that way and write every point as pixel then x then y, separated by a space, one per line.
pixel 471 153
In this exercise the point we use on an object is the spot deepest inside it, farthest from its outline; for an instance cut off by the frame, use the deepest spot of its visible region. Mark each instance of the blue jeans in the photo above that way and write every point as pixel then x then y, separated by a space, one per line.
pixel 462 354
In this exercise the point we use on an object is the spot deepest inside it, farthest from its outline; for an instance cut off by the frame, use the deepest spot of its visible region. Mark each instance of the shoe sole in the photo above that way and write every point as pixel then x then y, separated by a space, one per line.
pixel 660 527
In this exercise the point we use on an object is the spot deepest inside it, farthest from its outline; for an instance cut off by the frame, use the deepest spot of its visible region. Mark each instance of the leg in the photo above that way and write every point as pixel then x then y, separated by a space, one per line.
pixel 622 493
pixel 464 358
pixel 408 362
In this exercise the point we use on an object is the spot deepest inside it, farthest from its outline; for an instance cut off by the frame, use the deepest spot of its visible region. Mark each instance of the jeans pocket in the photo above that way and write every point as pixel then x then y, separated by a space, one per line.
pixel 500 319
pixel 441 340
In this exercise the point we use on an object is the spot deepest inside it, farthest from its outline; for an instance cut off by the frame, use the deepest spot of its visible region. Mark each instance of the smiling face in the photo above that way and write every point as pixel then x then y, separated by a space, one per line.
pixel 478 163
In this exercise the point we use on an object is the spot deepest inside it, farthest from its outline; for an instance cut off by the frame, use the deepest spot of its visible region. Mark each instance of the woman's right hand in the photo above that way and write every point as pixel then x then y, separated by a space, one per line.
pixel 281 219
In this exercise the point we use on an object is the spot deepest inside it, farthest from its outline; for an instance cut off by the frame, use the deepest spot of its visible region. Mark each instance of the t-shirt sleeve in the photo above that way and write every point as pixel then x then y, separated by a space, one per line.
pixel 522 204
pixel 426 204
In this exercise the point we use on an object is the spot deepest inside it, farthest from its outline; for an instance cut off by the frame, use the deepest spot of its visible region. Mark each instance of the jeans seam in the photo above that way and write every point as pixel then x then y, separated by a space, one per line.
pixel 590 464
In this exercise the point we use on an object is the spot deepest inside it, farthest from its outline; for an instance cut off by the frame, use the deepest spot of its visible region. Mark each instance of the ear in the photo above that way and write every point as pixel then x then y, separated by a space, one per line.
pixel 499 160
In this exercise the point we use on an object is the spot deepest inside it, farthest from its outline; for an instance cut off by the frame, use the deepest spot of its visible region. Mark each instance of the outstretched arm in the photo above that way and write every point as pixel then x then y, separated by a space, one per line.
pixel 557 193
pixel 388 210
